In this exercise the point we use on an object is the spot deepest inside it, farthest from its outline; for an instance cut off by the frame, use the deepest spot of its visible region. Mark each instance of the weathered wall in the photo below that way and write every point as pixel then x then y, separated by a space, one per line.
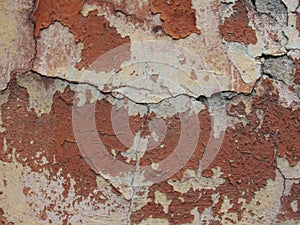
pixel 150 112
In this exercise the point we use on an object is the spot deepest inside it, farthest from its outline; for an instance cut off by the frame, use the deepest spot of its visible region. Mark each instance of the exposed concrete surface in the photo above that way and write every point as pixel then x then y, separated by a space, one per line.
pixel 150 112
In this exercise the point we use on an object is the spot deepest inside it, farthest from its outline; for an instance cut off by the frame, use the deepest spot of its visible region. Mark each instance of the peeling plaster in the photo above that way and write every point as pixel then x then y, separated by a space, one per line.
pixel 230 68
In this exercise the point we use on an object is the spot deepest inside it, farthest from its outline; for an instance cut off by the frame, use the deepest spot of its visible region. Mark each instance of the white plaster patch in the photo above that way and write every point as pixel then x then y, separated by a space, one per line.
pixel 161 198
pixel 19 213
pixel 288 186
pixel 294 54
pixel 266 28
pixel 248 67
pixel 137 150
pixel 56 50
pixel 40 96
pixel 177 105
pixel 265 205
pixel 291 5
pixel 86 93
pixel 292 33
pixel 288 171
pixel 294 206
pixel 287 97
pixel 194 180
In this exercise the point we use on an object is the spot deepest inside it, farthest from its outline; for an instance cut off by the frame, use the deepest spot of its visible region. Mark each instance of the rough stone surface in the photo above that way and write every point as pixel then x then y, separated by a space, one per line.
pixel 150 112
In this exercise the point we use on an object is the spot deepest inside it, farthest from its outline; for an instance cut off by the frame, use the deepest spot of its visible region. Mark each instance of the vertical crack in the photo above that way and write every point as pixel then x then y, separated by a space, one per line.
pixel 278 169
pixel 137 168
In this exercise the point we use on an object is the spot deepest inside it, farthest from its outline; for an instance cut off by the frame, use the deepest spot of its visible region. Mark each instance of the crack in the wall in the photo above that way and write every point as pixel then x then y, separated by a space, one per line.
pixel 32 61
pixel 277 168
pixel 133 185
pixel 215 100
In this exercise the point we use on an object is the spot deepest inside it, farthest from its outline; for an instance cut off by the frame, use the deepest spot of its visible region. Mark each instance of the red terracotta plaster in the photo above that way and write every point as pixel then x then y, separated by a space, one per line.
pixel 94 31
pixel 246 158
pixel 178 17
pixel 298 22
pixel 52 136
pixel 297 73
pixel 236 28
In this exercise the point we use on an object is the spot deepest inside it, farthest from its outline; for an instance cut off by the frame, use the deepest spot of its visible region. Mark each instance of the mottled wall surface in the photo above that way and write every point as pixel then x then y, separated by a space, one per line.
pixel 150 112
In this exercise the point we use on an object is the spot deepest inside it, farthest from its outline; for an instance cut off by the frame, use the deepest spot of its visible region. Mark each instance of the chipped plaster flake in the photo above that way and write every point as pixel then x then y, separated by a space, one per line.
pixel 226 9
pixel 137 150
pixel 8 24
pixel 161 198
pixel 81 93
pixel 56 50
pixel 291 5
pixel 246 100
pixel 179 104
pixel 287 171
pixel 226 205
pixel 219 117
pixel 45 192
pixel 133 108
pixel 266 28
pixel 294 206
pixel 125 27
pixel 294 54
pixel 247 66
pixel 4 145
pixel 136 79
pixel 292 33
pixel 126 183
pixel 206 215
pixel 40 96
pixel 87 8
pixel 194 180
pixel 209 47
pixel 274 8
pixel 287 97
pixel 228 1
